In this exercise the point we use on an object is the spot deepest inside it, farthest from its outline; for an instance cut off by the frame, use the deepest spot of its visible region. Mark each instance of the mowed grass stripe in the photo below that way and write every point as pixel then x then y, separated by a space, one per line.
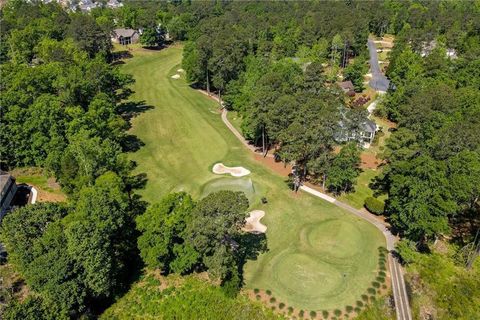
pixel 308 265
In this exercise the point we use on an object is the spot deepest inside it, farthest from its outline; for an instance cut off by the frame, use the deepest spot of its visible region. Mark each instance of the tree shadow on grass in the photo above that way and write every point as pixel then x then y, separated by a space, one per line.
pixel 250 246
pixel 131 143
pixel 130 109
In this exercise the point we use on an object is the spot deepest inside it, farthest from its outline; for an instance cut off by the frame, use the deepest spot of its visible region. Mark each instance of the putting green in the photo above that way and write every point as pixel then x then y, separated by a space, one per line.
pixel 298 273
pixel 336 238
pixel 319 256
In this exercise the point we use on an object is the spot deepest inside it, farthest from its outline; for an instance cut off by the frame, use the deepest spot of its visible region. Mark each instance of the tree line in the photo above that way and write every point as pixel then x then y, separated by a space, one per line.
pixel 277 65
pixel 432 171
pixel 63 109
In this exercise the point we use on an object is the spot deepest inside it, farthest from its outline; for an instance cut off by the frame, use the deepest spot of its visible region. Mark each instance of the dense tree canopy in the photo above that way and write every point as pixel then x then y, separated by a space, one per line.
pixel 179 235
pixel 59 97
pixel 71 255
pixel 436 103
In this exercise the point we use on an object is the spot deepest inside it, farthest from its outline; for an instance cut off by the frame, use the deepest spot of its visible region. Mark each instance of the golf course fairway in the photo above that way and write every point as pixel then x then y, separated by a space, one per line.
pixel 319 256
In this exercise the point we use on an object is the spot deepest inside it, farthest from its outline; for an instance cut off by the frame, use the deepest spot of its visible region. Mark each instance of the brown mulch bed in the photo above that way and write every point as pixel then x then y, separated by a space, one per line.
pixel 369 161
pixel 278 167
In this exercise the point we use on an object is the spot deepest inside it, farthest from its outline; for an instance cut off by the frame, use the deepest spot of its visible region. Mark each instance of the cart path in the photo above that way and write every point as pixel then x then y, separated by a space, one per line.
pixel 400 295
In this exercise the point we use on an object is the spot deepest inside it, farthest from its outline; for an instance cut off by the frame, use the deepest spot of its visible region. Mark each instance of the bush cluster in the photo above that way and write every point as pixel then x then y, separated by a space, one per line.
pixel 374 205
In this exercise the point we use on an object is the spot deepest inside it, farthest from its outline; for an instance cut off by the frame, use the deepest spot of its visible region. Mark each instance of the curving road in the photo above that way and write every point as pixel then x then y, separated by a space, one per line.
pixel 380 83
pixel 400 296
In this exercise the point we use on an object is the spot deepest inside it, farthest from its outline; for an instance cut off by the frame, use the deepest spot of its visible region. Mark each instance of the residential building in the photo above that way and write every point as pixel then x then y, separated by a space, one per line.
pixel 8 188
pixel 347 87
pixel 125 36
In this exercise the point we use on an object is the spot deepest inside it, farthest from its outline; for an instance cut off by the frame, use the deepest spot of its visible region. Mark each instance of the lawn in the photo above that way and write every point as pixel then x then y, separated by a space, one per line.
pixel 357 198
pixel 235 119
pixel 48 189
pixel 319 256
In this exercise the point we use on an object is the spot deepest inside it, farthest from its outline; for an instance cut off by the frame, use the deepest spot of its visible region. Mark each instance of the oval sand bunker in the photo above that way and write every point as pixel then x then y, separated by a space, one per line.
pixel 253 224
pixel 219 168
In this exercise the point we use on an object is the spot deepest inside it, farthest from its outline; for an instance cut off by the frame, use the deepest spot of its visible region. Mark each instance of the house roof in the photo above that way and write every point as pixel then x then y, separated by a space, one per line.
pixel 369 126
pixel 346 85
pixel 4 178
pixel 125 33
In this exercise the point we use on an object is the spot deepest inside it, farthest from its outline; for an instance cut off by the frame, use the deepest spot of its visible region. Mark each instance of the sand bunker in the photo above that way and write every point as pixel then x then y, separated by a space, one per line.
pixel 219 168
pixel 253 224
pixel 180 70
pixel 176 76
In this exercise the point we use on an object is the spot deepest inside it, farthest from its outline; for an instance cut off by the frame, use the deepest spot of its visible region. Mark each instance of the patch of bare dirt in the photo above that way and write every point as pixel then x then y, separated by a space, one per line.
pixel 45 196
pixel 279 167
pixel 369 161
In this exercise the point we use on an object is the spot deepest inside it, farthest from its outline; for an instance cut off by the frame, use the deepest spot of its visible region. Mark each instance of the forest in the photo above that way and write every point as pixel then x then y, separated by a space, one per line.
pixel 63 108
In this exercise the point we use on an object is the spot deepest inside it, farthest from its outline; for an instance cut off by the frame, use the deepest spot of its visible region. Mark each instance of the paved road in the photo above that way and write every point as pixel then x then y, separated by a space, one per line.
pixel 378 82
pixel 400 296
pixel 402 306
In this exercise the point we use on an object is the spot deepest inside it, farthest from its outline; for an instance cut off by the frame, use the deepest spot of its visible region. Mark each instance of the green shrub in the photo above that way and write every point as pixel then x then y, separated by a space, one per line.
pixel 374 205
pixel 272 299
pixel 256 290
pixel 371 290
pixel 258 297
pixel 337 312
pixel 382 249
pixel 313 314
pixel 364 297
pixel 349 309
pixel 325 314
pixel 359 304
pixel 382 274
pixel 384 286
pixel 375 284
pixel 301 313
pixel 290 310
pixel 357 309
pixel 407 250
pixel 281 305
pixel 268 292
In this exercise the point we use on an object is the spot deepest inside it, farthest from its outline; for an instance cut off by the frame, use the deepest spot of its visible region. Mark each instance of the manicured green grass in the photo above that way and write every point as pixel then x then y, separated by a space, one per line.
pixel 319 256
pixel 357 198
pixel 235 119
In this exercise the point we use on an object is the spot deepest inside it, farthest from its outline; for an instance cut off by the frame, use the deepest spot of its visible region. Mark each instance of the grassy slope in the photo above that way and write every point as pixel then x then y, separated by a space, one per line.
pixel 173 297
pixel 184 137
pixel 362 190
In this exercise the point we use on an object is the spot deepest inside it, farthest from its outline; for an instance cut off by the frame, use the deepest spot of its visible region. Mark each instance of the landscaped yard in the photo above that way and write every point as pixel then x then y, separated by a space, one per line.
pixel 319 257
pixel 47 188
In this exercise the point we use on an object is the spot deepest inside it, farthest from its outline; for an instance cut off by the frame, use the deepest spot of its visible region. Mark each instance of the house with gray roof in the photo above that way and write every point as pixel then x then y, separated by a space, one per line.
pixel 355 127
pixel 125 36
pixel 8 188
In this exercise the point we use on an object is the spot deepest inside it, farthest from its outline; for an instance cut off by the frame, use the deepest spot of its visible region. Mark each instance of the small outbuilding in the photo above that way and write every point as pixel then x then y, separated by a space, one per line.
pixel 125 36
pixel 347 87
